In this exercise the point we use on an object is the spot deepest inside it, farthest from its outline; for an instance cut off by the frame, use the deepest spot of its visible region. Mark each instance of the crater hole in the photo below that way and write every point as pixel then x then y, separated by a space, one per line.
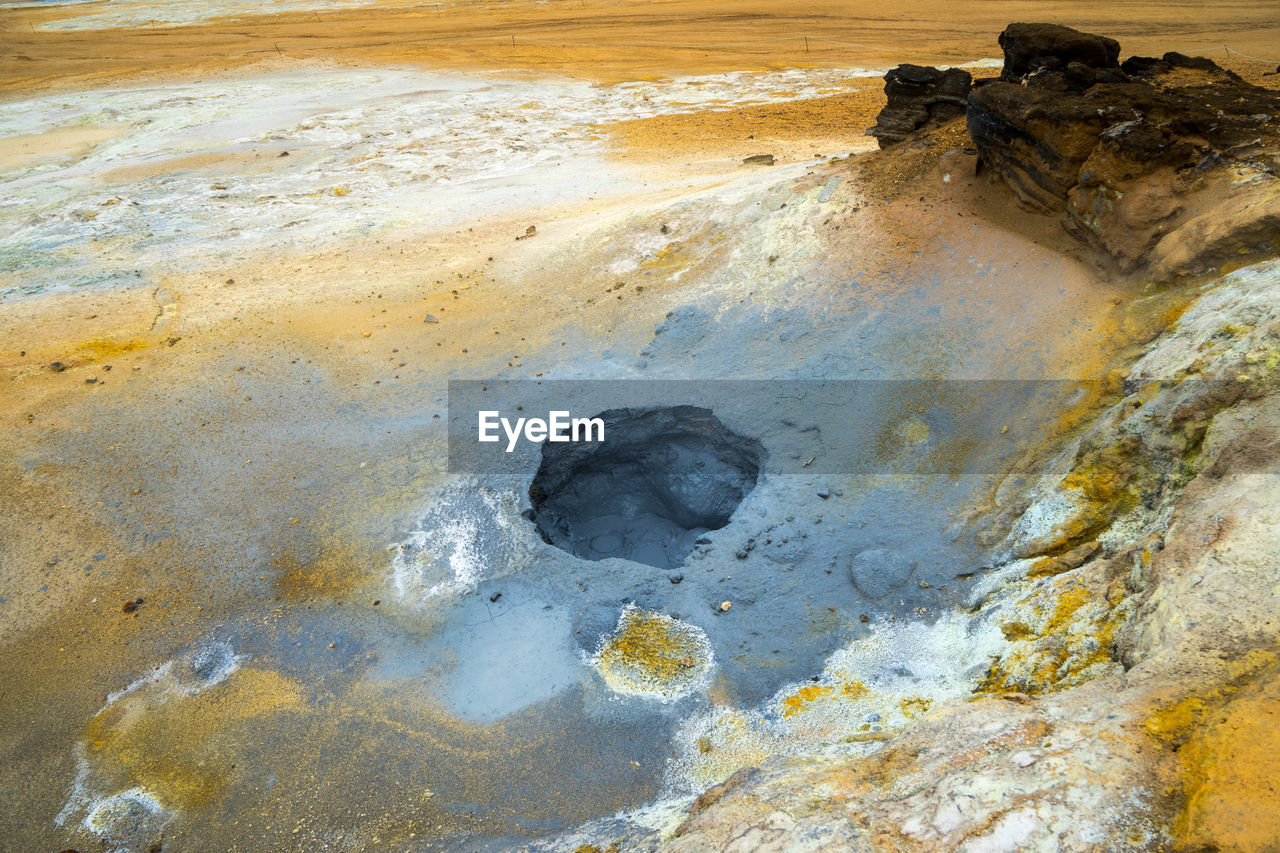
pixel 660 479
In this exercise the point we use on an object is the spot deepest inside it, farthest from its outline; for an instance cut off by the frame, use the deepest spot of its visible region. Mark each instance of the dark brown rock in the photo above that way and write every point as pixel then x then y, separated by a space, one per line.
pixel 919 96
pixel 1030 47
pixel 1142 161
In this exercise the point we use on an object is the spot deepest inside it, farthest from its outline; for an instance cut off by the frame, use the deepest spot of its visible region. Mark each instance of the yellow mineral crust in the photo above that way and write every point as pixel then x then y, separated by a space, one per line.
pixel 170 745
pixel 1059 634
pixel 653 655
pixel 1226 741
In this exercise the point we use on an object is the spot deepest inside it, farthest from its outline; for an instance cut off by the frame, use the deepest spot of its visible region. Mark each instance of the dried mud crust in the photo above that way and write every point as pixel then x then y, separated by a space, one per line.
pixel 791 131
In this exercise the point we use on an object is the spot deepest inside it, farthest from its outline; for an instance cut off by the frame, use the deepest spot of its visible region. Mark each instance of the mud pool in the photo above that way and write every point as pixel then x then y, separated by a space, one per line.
pixel 647 493
pixel 348 637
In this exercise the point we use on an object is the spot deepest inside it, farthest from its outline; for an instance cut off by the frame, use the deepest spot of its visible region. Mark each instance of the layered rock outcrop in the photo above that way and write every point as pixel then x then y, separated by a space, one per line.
pixel 919 97
pixel 1166 163
pixel 1032 47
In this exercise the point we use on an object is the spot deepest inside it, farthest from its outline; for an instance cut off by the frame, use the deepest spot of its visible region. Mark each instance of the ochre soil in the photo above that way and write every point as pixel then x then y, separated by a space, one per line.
pixel 370 298
pixel 609 41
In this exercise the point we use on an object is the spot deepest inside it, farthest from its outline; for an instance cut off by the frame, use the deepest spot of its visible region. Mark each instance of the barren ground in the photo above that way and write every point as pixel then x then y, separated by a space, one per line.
pixel 258 428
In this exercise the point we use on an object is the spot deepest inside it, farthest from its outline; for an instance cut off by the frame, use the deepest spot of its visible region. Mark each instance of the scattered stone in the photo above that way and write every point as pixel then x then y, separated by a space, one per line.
pixel 131 606
pixel 919 96
pixel 431 318
pixel 862 617
pixel 528 232
pixel 283 154
pixel 57 367
pixel 90 380
pixel 879 571
pixel 676 578
pixel 1024 758
pixel 824 493
pixel 758 160
pixel 725 605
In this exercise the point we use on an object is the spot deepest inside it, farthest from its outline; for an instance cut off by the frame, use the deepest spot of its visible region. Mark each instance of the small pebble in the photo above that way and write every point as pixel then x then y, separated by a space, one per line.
pixel 1024 759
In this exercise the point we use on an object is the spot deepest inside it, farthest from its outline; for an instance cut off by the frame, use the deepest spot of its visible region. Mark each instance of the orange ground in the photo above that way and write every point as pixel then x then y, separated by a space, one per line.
pixel 614 41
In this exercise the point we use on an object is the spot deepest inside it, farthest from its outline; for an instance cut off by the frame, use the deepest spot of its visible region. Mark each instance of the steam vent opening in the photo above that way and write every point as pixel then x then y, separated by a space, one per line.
pixel 660 479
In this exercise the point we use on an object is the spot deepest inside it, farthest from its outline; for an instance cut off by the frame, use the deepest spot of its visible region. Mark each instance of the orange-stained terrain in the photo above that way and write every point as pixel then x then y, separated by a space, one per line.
pixel 236 443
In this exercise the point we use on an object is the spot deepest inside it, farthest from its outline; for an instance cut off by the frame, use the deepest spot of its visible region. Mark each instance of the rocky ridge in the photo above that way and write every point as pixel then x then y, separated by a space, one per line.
pixel 1165 165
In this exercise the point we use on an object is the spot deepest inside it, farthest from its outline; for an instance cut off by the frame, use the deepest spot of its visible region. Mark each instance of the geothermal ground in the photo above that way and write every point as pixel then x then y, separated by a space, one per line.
pixel 258 272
